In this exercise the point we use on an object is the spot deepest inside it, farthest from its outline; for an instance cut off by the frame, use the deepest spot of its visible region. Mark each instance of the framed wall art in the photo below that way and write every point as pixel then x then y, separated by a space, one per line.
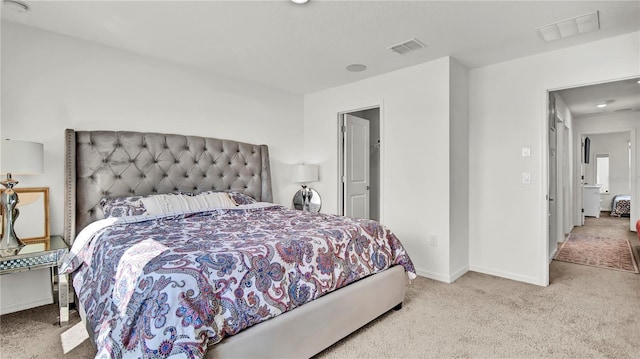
pixel 32 222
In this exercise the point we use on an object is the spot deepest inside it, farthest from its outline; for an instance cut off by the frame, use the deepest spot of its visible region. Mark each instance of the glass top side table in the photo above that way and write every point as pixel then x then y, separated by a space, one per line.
pixel 44 254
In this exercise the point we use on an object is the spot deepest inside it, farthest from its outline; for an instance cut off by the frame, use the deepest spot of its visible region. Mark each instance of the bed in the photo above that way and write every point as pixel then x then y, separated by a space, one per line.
pixel 621 206
pixel 134 314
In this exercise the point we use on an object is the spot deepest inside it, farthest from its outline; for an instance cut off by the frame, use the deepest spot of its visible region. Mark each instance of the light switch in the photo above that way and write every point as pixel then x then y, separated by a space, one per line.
pixel 526 177
pixel 433 240
pixel 526 151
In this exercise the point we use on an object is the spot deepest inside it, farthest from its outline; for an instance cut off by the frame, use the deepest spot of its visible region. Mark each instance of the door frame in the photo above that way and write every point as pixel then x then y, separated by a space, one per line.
pixel 552 126
pixel 544 168
pixel 340 169
pixel 632 171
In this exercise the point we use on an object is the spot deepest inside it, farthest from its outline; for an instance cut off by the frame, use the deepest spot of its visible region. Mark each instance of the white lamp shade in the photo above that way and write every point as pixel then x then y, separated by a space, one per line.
pixel 21 157
pixel 304 173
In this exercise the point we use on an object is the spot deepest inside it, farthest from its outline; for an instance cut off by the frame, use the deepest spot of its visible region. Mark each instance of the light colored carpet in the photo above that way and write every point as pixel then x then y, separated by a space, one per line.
pixel 586 312
pixel 610 253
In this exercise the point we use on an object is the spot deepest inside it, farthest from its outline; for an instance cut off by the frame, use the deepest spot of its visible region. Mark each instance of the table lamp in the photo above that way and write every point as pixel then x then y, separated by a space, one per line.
pixel 16 158
pixel 304 173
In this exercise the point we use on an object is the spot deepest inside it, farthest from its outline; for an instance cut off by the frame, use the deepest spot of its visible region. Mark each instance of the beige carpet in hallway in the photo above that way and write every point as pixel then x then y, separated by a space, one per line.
pixel 604 227
pixel 586 312
pixel 607 226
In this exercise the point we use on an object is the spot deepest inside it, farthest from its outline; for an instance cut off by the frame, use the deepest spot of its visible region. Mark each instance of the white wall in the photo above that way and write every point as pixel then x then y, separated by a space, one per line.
pixel 17 295
pixel 616 145
pixel 616 122
pixel 459 169
pixel 51 82
pixel 415 154
pixel 507 110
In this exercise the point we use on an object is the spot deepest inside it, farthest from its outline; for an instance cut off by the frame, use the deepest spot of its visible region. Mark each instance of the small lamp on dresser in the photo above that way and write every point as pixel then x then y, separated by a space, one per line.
pixel 306 199
pixel 17 158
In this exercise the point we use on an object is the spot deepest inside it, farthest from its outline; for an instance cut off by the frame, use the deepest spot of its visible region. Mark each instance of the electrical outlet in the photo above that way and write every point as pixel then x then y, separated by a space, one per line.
pixel 526 151
pixel 433 240
pixel 526 178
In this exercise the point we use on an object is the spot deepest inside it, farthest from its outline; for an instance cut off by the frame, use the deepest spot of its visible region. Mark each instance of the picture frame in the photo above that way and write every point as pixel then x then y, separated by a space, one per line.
pixel 32 223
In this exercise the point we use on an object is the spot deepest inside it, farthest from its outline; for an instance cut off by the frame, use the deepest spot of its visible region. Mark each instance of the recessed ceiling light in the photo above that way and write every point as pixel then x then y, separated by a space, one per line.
pixel 605 104
pixel 299 2
pixel 16 5
pixel 356 68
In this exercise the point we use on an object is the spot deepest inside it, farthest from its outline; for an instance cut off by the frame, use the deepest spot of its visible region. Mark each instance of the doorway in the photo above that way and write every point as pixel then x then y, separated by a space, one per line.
pixel 589 134
pixel 360 163
pixel 554 220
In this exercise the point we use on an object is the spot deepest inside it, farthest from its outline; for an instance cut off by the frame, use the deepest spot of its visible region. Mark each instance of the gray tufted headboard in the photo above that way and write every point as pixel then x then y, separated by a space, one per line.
pixel 117 163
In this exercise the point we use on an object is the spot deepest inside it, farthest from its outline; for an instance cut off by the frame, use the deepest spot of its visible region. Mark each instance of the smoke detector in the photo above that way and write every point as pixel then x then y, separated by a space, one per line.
pixel 356 68
pixel 407 46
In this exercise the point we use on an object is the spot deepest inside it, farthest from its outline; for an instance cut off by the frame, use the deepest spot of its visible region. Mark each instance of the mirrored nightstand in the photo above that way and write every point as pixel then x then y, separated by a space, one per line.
pixel 44 254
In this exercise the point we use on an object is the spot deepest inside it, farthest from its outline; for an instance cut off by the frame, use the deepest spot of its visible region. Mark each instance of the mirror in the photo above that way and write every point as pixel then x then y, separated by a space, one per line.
pixel 315 202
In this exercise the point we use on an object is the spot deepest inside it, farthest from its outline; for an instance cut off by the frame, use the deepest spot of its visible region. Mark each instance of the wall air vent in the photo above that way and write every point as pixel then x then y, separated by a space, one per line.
pixel 407 46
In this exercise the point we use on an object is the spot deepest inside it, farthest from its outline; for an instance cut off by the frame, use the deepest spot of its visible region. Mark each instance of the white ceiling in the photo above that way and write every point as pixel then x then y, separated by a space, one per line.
pixel 303 49
pixel 624 95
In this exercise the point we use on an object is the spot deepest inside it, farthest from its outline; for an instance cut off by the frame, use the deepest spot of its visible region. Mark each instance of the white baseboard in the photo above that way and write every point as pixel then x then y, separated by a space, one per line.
pixel 457 274
pixel 31 303
pixel 446 278
pixel 432 275
pixel 508 275
pixel 553 255
pixel 24 290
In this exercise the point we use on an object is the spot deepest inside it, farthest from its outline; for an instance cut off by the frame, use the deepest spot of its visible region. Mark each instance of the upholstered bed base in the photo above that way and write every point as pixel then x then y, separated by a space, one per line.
pixel 313 327
pixel 112 164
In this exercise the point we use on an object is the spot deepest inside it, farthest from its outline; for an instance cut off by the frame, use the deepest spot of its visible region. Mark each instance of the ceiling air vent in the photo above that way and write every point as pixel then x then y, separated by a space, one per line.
pixel 570 27
pixel 407 46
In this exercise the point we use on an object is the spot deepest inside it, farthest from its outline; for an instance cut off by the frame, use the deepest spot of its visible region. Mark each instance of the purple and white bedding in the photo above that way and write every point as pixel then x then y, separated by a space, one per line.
pixel 173 284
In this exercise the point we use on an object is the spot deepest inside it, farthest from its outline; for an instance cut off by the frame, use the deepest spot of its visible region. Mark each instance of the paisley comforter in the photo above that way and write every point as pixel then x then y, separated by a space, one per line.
pixel 167 285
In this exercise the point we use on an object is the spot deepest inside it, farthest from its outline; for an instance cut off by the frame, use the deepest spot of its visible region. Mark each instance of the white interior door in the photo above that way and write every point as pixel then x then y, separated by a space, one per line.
pixel 553 180
pixel 356 167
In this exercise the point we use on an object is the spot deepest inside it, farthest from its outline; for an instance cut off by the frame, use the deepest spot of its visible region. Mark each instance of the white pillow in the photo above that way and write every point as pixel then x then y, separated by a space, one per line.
pixel 167 203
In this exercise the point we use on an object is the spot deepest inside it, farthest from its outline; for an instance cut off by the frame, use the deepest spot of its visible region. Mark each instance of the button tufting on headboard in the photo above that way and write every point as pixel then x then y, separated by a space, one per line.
pixel 116 164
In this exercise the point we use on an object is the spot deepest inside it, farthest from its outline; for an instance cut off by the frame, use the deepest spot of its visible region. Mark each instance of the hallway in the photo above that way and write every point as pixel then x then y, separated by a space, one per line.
pixel 610 227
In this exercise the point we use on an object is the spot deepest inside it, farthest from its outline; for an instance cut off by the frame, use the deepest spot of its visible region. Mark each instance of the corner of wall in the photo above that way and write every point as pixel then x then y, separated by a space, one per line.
pixel 458 168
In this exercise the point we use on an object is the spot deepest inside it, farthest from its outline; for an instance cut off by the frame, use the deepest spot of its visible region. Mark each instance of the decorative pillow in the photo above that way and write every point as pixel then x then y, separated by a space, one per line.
pixel 126 206
pixel 122 206
pixel 160 204
pixel 241 198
